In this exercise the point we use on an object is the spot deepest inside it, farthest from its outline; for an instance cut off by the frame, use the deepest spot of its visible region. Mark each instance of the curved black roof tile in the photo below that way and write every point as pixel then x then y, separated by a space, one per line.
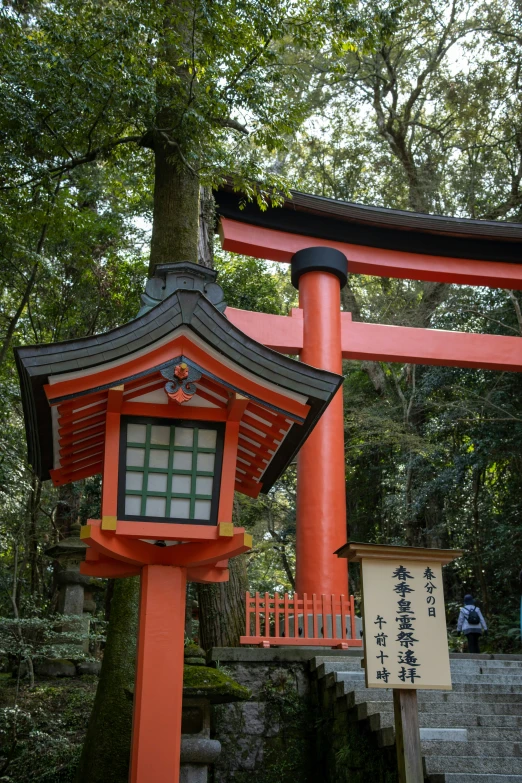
pixel 392 229
pixel 192 309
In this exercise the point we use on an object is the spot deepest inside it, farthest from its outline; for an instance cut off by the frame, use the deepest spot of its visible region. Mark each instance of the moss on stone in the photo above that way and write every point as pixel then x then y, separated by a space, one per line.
pixel 213 684
pixel 194 651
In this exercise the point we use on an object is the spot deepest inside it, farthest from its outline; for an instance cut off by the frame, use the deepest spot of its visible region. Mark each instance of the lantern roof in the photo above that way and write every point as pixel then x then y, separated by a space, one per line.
pixel 392 229
pixel 65 388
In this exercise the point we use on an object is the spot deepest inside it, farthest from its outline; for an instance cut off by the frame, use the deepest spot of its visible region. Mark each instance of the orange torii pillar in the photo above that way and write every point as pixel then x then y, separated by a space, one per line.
pixel 319 273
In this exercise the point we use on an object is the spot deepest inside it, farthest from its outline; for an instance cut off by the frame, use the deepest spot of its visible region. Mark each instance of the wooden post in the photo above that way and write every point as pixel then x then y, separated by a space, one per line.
pixel 156 742
pixel 407 736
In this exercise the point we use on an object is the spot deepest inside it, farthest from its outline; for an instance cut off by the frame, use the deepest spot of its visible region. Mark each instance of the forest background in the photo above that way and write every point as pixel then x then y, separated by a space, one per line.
pixel 117 120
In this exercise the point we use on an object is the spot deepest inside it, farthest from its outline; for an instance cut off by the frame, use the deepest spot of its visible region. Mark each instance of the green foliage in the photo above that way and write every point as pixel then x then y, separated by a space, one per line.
pixel 218 81
pixel 90 503
pixel 39 636
pixel 251 284
pixel 41 738
pixel 409 106
pixel 426 118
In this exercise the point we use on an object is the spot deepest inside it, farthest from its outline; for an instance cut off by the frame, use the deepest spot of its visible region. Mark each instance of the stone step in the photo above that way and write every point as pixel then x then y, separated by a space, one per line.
pixel 458 748
pixel 446 740
pixel 333 665
pixel 472 765
pixel 507 726
pixel 458 777
pixel 488 687
pixel 435 729
pixel 480 672
pixel 477 681
pixel 500 661
pixel 352 658
pixel 472 733
pixel 355 660
pixel 459 693
pixel 485 657
pixel 494 733
pixel 461 683
pixel 465 671
pixel 466 702
pixel 431 736
pixel 472 664
pixel 367 707
pixel 485 679
pixel 458 678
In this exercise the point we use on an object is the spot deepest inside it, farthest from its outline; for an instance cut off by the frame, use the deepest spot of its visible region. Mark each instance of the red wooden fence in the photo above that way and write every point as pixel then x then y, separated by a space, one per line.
pixel 293 620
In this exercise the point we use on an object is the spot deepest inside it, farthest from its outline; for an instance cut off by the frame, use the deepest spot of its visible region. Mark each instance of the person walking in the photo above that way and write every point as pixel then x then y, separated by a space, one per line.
pixel 471 623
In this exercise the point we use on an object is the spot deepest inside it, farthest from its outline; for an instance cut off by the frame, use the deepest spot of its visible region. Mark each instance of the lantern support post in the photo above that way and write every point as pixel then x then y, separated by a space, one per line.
pixel 156 731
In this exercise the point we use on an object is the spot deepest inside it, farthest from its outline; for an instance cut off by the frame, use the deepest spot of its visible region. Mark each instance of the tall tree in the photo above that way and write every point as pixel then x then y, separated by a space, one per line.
pixel 200 86
pixel 428 120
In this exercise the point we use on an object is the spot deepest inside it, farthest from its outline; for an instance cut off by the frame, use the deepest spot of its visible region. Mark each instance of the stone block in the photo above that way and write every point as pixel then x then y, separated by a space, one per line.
pixel 88 667
pixel 193 773
pixel 55 667
pixel 253 717
pixel 444 735
pixel 71 600
pixel 199 750
pixel 242 753
pixel 285 655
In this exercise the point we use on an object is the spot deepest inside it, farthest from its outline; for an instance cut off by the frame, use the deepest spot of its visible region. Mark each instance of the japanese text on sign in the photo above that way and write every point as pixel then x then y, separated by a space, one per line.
pixel 404 625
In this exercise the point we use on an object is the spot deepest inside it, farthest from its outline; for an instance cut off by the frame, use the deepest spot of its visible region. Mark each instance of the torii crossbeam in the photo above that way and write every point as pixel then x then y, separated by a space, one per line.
pixel 323 239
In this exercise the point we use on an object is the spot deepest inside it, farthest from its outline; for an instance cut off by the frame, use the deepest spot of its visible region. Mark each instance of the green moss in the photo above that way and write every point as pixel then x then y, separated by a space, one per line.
pixel 212 683
pixel 193 651
pixel 287 757
pixel 106 751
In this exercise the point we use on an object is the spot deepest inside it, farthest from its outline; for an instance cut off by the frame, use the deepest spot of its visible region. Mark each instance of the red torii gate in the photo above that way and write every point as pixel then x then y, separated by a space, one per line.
pixel 323 239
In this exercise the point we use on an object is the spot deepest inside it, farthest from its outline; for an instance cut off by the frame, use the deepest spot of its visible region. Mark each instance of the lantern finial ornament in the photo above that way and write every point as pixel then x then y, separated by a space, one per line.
pixel 181 381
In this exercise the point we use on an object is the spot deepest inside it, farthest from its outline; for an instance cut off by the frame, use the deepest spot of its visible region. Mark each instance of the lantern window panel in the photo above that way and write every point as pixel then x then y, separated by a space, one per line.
pixel 170 470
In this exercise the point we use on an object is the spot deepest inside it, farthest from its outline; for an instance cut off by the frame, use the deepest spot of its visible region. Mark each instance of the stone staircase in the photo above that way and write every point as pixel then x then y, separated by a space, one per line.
pixel 472 733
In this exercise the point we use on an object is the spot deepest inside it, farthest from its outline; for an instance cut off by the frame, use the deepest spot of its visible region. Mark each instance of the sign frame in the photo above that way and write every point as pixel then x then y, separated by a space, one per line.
pixel 407 733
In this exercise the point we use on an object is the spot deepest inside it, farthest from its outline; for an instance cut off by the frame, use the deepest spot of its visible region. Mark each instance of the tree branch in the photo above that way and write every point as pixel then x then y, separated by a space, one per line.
pixel 89 157
pixel 228 122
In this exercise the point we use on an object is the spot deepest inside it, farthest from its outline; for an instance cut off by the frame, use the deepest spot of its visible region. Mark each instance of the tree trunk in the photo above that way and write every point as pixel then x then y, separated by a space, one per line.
pixel 207 217
pixel 106 751
pixel 32 535
pixel 175 219
pixel 222 608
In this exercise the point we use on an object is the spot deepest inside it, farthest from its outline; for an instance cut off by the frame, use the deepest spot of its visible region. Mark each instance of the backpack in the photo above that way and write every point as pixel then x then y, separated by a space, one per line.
pixel 473 617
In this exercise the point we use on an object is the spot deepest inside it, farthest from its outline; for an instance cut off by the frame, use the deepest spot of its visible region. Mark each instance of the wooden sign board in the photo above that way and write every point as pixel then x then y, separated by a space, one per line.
pixel 404 624
pixel 405 637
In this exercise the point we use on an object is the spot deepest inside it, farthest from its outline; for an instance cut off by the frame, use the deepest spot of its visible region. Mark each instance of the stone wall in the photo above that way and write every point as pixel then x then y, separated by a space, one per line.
pixel 268 739
pixel 289 731
pixel 346 749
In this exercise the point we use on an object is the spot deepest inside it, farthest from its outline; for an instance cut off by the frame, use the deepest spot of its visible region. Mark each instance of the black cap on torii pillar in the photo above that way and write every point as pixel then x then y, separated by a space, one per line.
pixel 319 259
